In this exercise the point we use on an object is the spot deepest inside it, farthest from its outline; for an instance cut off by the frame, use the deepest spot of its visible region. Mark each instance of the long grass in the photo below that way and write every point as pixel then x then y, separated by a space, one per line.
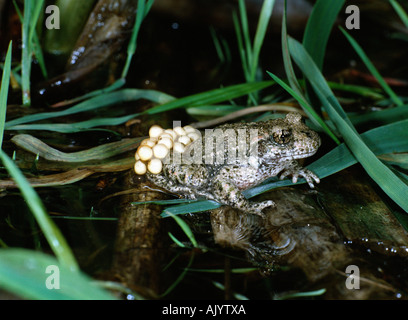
pixel 373 70
pixel 165 102
pixel 5 82
pixel 31 14
pixel 250 52
pixel 400 11
pixel 22 271
pixel 392 185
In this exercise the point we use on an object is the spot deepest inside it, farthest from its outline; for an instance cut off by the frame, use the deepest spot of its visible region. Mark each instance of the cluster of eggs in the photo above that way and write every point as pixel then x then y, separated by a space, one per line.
pixel 153 150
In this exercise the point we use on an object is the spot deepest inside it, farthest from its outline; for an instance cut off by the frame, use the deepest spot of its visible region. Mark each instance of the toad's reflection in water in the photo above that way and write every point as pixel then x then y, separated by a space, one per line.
pixel 233 229
pixel 300 235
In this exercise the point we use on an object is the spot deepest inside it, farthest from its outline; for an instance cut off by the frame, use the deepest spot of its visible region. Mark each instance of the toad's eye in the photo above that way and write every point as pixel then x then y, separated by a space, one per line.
pixel 282 137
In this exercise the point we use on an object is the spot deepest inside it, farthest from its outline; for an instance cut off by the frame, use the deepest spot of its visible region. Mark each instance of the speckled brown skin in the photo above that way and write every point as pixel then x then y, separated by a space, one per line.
pixel 270 147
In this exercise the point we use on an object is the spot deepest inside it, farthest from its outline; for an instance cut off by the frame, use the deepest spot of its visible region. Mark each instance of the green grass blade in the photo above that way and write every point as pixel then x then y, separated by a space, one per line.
pixel 366 92
pixel 247 48
pixel 104 151
pixel 264 17
pixel 186 229
pixel 297 52
pixel 385 116
pixel 394 187
pixel 26 52
pixel 241 47
pixel 287 62
pixel 5 81
pixel 81 126
pixel 318 28
pixel 25 272
pixel 193 207
pixel 212 96
pixel 51 232
pixel 296 90
pixel 373 70
pixel 142 10
pixel 39 55
pixel 400 11
pixel 36 42
pixel 306 107
pixel 166 103
pixel 36 10
pixel 96 102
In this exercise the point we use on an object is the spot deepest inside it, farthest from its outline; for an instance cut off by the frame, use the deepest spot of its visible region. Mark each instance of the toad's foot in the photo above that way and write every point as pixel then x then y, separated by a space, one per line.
pixel 297 171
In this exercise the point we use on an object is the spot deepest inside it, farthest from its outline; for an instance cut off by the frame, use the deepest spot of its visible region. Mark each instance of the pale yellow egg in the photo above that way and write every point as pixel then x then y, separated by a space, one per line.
pixel 140 167
pixel 155 131
pixel 160 151
pixel 145 153
pixel 155 166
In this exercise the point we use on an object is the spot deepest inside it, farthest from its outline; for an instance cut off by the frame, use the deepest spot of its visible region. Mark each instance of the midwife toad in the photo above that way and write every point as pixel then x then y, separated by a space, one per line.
pixel 226 166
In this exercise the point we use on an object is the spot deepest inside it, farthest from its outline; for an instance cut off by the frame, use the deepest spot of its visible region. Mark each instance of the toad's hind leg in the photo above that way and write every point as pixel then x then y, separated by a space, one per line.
pixel 227 193
pixel 171 186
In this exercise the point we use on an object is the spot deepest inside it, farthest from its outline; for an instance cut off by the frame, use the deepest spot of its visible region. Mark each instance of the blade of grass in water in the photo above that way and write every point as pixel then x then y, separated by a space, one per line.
pixel 5 81
pixel 394 187
pixel 186 229
pixel 373 70
pixel 94 103
pixel 51 232
pixel 166 102
pixel 27 273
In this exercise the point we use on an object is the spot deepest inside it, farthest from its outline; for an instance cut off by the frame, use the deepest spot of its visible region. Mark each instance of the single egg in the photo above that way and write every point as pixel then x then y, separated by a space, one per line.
pixel 160 151
pixel 165 135
pixel 179 147
pixel 155 166
pixel 188 129
pixel 167 142
pixel 155 131
pixel 180 131
pixel 193 135
pixel 184 140
pixel 172 133
pixel 145 153
pixel 148 142
pixel 140 167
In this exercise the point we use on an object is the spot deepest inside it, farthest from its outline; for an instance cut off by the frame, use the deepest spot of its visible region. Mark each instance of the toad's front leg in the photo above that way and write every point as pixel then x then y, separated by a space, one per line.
pixel 296 170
